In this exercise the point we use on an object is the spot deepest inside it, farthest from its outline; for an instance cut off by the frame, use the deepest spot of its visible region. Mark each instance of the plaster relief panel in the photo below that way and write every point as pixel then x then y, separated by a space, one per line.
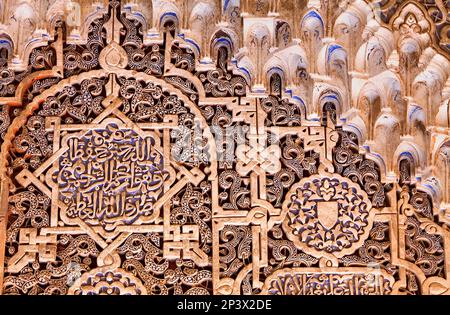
pixel 224 147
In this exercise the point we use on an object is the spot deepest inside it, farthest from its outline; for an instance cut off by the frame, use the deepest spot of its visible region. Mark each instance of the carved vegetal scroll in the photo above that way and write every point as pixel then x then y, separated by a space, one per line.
pixel 189 148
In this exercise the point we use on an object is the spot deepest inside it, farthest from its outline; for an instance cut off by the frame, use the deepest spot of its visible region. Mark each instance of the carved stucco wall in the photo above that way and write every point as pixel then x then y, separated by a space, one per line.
pixel 224 147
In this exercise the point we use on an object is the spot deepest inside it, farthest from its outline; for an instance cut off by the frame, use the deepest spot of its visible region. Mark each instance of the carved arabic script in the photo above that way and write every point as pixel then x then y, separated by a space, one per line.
pixel 370 283
pixel 110 176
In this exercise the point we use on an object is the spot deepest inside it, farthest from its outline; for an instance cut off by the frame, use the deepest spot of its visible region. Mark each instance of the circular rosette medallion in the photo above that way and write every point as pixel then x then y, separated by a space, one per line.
pixel 105 281
pixel 327 215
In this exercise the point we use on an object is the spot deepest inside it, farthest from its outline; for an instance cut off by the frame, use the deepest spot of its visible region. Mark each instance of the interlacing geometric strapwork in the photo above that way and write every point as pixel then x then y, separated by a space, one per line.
pixel 222 150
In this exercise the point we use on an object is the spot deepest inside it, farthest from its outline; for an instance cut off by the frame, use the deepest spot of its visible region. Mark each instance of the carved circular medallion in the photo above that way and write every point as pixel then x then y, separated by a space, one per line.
pixel 327 215
pixel 103 281
pixel 113 57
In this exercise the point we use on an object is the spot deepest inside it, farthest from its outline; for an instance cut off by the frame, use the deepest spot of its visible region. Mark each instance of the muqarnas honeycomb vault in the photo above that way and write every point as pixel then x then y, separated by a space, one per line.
pixel 224 147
